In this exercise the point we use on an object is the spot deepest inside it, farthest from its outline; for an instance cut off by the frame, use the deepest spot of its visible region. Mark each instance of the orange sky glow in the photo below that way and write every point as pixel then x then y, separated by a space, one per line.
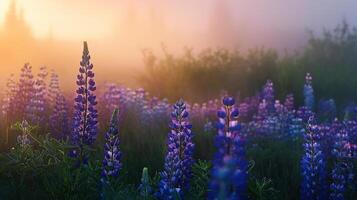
pixel 51 32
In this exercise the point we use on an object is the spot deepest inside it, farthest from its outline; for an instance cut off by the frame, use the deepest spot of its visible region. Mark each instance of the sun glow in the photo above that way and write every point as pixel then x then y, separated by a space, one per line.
pixel 45 32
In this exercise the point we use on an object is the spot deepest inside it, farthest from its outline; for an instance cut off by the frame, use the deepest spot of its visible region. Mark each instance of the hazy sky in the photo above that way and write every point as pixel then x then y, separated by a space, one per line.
pixel 97 18
pixel 118 30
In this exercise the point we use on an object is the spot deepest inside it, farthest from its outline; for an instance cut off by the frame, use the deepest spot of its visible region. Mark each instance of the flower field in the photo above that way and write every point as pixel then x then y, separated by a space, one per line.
pixel 122 143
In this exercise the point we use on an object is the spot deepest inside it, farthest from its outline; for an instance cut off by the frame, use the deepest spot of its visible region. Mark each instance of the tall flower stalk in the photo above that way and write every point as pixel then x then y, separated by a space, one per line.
pixel 268 95
pixel 53 89
pixel 179 157
pixel 343 167
pixel 229 172
pixel 289 102
pixel 36 108
pixel 7 108
pixel 112 154
pixel 313 185
pixel 58 106
pixel 85 115
pixel 59 117
pixel 11 90
pixel 24 93
pixel 23 139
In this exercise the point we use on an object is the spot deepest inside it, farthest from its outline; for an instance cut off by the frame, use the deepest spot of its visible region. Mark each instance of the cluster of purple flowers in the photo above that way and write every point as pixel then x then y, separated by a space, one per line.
pixel 59 118
pixel 289 103
pixel 179 157
pixel 229 172
pixel 36 108
pixel 313 166
pixel 138 101
pixel 296 128
pixel 24 93
pixel 85 114
pixel 30 100
pixel 11 90
pixel 342 173
pixel 23 139
pixel 268 95
pixel 112 97
pixel 112 154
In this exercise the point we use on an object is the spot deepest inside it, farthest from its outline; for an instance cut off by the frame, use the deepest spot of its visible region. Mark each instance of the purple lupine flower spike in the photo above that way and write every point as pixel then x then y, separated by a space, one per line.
pixel 313 185
pixel 24 93
pixel 229 172
pixel 59 117
pixel 289 102
pixel 343 171
pixel 59 109
pixel 179 158
pixel 36 108
pixel 85 115
pixel 53 89
pixel 112 154
pixel 7 108
pixel 268 95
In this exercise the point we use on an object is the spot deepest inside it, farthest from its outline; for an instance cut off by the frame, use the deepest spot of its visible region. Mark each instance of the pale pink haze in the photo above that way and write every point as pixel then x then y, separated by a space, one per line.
pixel 50 32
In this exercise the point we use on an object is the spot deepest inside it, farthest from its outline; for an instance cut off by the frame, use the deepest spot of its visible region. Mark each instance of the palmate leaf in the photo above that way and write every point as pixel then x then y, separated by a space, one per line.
pixel 262 189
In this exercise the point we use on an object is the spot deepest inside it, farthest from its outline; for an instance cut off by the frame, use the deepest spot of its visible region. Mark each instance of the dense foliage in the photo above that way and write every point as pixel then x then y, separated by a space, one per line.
pixel 330 58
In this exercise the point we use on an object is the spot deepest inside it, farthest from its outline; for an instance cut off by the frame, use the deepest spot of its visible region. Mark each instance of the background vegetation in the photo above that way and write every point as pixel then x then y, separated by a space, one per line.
pixel 330 58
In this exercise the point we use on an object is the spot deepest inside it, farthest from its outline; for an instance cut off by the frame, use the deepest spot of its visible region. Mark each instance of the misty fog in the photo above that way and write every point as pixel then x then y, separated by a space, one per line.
pixel 50 32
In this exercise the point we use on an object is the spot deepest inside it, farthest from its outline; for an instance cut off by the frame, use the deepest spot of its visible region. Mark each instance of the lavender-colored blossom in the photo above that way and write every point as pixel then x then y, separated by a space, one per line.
pixel 179 157
pixel 350 147
pixel 244 111
pixel 7 108
pixel 36 108
pixel 112 154
pixel 24 93
pixel 161 110
pixel 195 111
pixel 59 117
pixel 254 103
pixel 352 133
pixel 53 89
pixel 85 115
pixel 268 95
pixel 296 128
pixel 229 172
pixel 262 110
pixel 342 166
pixel 279 108
pixel 289 102
pixel 313 185
pixel 257 124
pixel 304 113
pixel 23 139
pixel 58 107
pixel 112 97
